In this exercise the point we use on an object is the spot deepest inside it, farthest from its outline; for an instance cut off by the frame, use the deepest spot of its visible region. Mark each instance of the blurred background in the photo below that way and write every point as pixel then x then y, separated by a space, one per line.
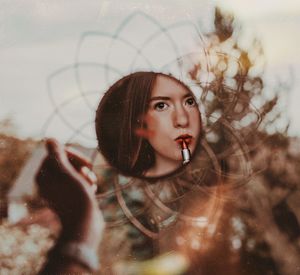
pixel 57 59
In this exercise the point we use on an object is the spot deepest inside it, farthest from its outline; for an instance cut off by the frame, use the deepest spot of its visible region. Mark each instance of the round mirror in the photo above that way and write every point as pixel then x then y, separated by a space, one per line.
pixel 148 124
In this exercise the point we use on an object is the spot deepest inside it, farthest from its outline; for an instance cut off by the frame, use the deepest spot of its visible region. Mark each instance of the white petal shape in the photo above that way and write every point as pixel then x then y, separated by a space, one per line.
pixel 102 58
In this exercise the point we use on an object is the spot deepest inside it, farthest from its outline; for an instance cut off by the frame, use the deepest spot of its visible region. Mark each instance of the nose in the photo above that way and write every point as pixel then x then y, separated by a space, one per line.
pixel 180 117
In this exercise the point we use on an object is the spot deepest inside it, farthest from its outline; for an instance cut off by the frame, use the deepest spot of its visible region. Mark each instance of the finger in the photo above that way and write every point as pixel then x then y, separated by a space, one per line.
pixel 90 177
pixel 65 156
pixel 77 159
pixel 82 165
pixel 69 159
pixel 88 174
pixel 49 163
pixel 56 150
pixel 94 188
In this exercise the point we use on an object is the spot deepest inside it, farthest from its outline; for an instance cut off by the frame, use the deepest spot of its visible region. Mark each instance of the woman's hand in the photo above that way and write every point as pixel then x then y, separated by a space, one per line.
pixel 64 182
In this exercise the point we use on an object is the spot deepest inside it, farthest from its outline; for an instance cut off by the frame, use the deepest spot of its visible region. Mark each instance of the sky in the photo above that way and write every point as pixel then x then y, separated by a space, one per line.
pixel 45 94
pixel 276 24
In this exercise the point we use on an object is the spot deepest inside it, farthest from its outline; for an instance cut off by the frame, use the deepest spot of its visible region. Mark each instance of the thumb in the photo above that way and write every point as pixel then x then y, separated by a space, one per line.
pixel 56 151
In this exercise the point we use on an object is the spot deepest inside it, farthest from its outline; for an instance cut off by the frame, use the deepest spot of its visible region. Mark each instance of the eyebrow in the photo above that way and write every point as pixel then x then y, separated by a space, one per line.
pixel 168 98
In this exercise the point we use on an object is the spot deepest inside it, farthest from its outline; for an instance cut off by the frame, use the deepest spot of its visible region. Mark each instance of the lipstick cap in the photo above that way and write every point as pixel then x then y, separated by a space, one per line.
pixel 186 155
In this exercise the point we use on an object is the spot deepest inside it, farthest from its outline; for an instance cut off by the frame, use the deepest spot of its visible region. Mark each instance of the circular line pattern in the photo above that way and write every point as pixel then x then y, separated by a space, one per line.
pixel 197 176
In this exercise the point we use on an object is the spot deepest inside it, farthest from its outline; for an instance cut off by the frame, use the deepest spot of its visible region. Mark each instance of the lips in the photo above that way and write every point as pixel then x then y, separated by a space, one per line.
pixel 187 138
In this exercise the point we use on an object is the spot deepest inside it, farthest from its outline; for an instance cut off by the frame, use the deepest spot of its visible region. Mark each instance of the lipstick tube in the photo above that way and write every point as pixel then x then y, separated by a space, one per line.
pixel 185 152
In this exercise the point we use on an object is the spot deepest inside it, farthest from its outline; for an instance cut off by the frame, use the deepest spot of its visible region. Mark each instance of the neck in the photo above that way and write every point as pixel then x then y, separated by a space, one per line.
pixel 163 166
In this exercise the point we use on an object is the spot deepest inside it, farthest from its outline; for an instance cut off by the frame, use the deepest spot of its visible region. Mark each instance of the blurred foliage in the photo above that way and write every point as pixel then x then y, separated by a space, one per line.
pixel 247 131
pixel 13 154
pixel 23 249
pixel 258 230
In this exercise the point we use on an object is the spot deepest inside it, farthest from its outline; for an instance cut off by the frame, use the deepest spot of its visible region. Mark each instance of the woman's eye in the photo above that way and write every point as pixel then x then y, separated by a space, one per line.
pixel 160 106
pixel 191 101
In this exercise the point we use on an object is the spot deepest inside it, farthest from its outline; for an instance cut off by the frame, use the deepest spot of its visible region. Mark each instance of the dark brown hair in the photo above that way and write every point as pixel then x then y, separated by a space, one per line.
pixel 118 115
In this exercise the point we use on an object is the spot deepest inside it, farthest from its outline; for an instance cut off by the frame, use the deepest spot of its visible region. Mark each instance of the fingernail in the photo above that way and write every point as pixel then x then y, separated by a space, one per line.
pixel 89 174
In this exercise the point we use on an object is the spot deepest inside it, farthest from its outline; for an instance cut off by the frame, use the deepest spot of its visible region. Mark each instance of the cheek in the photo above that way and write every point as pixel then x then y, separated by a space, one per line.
pixel 153 124
pixel 158 129
pixel 149 121
pixel 196 120
pixel 152 121
pixel 149 129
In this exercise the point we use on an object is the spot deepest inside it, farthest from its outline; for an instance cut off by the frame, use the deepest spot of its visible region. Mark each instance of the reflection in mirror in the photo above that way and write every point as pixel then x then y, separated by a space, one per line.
pixel 148 124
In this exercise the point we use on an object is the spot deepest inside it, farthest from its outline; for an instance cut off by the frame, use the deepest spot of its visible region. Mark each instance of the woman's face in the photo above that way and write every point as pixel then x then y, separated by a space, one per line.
pixel 172 113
